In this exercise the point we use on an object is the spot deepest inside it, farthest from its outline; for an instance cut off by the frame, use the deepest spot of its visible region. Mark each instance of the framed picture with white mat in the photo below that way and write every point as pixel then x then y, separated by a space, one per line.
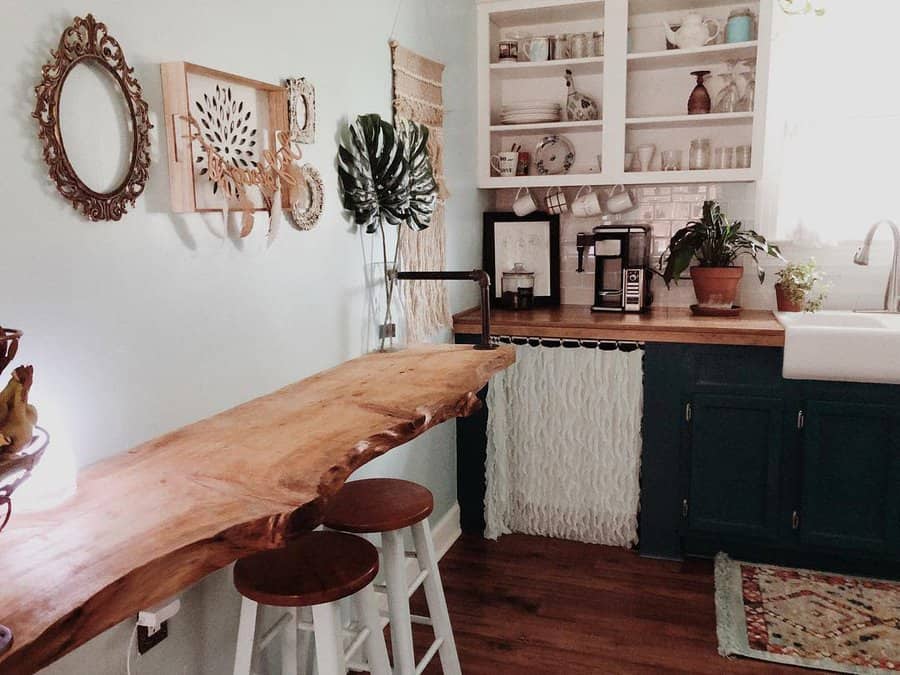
pixel 532 240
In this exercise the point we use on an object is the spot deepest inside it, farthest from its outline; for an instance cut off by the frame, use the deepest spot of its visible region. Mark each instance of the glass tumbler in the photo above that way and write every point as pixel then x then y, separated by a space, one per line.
pixel 671 160
pixel 742 157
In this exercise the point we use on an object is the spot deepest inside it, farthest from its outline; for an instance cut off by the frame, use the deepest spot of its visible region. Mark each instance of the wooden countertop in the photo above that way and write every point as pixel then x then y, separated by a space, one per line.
pixel 660 324
pixel 145 524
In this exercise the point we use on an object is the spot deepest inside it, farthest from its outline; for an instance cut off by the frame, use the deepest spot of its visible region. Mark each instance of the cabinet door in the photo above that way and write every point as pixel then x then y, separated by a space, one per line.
pixel 850 490
pixel 733 457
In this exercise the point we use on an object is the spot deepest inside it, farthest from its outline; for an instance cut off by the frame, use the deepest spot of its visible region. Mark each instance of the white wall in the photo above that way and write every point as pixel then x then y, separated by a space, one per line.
pixel 141 326
pixel 829 73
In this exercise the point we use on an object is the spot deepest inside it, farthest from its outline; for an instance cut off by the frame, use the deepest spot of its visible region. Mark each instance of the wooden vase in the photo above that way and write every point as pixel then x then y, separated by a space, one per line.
pixel 716 287
pixel 784 302
pixel 699 102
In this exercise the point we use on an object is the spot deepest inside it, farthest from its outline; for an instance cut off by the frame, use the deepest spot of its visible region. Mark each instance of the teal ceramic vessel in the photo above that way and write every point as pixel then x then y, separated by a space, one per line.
pixel 739 27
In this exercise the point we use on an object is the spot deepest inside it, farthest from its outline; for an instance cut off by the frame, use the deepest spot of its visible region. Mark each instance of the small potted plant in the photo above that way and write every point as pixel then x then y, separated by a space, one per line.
pixel 799 289
pixel 715 243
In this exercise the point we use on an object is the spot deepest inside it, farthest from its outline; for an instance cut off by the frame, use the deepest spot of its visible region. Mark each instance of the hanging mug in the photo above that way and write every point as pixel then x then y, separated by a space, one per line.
pixel 619 200
pixel 505 163
pixel 524 204
pixel 556 202
pixel 587 205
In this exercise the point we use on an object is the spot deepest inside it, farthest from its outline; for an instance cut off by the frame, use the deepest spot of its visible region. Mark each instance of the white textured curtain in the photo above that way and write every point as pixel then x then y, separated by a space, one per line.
pixel 564 445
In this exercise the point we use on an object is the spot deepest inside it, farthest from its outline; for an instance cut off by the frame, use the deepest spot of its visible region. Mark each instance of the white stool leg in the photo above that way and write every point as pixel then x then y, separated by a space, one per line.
pixel 392 549
pixel 434 594
pixel 376 650
pixel 306 644
pixel 329 639
pixel 243 653
pixel 289 645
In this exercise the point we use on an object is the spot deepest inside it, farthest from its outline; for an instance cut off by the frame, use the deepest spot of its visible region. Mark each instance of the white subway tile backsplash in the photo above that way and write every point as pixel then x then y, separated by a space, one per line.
pixel 681 211
pixel 667 209
pixel 663 211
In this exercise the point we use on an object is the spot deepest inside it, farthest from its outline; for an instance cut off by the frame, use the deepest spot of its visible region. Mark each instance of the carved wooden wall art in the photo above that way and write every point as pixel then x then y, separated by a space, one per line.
pixel 302 110
pixel 237 119
pixel 88 40
pixel 267 178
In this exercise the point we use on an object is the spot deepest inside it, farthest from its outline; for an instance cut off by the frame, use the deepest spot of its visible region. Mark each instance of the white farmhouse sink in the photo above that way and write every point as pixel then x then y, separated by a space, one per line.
pixel 842 346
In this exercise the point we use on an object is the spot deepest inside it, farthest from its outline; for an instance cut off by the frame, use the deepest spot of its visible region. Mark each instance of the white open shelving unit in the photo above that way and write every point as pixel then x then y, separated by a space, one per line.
pixel 642 87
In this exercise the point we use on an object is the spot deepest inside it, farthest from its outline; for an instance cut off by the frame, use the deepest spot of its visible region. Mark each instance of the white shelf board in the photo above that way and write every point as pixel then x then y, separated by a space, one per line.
pixel 563 180
pixel 625 178
pixel 550 12
pixel 710 176
pixel 526 69
pixel 708 120
pixel 675 58
pixel 548 126
pixel 657 6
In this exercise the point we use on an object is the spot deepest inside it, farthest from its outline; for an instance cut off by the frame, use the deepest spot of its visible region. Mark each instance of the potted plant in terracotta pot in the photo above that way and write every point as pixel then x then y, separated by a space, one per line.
pixel 715 243
pixel 799 287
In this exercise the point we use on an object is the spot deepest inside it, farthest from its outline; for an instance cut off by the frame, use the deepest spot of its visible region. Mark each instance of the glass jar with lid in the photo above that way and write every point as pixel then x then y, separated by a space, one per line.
pixel 701 151
pixel 559 46
pixel 598 43
pixel 581 45
pixel 517 286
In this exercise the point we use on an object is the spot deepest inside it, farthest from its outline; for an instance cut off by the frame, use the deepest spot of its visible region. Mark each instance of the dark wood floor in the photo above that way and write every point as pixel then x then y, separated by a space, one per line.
pixel 535 605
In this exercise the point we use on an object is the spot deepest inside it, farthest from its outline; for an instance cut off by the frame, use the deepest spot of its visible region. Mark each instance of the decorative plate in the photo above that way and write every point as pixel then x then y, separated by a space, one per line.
pixel 554 155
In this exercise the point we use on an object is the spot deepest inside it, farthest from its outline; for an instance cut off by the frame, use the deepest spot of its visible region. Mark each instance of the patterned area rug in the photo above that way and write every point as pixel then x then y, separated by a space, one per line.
pixel 803 618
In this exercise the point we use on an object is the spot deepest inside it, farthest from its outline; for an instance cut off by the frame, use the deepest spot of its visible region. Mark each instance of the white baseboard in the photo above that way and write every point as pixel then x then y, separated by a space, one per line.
pixel 446 531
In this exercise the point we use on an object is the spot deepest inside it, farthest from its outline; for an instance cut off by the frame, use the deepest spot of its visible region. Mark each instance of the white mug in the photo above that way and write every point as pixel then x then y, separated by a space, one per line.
pixel 619 201
pixel 585 206
pixel 525 204
pixel 556 203
pixel 506 163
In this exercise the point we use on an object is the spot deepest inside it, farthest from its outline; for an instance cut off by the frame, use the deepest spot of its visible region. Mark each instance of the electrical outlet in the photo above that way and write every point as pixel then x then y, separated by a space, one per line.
pixel 147 640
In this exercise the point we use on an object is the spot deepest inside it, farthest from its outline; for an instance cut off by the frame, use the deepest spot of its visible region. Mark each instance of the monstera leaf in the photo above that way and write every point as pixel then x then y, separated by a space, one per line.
pixel 385 174
pixel 373 174
pixel 422 186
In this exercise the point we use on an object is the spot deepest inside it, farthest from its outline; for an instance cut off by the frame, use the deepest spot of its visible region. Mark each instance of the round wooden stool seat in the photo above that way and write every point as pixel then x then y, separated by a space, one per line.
pixel 318 567
pixel 378 505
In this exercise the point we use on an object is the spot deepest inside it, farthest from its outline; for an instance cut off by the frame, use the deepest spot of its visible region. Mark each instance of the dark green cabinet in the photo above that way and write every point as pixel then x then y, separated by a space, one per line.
pixel 732 465
pixel 737 459
pixel 850 493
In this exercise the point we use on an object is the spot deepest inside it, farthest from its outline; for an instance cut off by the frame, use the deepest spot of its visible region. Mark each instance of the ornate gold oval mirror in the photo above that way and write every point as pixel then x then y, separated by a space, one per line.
pixel 93 122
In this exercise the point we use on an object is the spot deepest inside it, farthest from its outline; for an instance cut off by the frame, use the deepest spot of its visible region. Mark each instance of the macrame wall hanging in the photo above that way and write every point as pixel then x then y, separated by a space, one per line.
pixel 418 96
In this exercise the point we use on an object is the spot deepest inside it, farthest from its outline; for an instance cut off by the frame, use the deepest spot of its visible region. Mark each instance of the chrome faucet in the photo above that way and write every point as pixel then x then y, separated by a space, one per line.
pixel 892 292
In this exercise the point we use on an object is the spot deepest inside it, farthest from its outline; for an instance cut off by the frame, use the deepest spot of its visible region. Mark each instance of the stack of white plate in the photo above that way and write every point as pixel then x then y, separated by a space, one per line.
pixel 531 112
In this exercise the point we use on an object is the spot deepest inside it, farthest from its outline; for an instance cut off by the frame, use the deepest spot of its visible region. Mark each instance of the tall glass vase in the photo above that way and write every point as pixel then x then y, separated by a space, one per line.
pixel 387 316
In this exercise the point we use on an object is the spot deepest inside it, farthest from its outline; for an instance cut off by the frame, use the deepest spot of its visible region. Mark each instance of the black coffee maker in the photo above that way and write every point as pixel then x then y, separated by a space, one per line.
pixel 621 267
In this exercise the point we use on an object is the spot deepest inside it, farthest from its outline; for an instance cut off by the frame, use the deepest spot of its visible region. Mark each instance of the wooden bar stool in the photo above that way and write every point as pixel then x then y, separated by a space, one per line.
pixel 388 506
pixel 317 570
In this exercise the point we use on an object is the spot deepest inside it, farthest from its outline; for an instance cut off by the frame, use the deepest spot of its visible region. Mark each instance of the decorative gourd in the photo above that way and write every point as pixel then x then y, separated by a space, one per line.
pixel 579 107
pixel 18 417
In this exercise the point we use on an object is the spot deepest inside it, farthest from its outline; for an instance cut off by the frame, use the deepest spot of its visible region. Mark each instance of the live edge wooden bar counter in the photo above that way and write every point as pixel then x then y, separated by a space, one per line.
pixel 757 328
pixel 144 525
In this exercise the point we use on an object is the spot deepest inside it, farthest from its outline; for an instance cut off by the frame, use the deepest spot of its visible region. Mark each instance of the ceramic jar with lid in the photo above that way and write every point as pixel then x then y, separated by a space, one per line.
pixel 518 288
pixel 740 25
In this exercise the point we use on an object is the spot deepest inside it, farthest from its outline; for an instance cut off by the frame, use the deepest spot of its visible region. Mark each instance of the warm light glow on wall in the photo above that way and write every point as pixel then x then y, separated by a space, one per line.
pixel 52 481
